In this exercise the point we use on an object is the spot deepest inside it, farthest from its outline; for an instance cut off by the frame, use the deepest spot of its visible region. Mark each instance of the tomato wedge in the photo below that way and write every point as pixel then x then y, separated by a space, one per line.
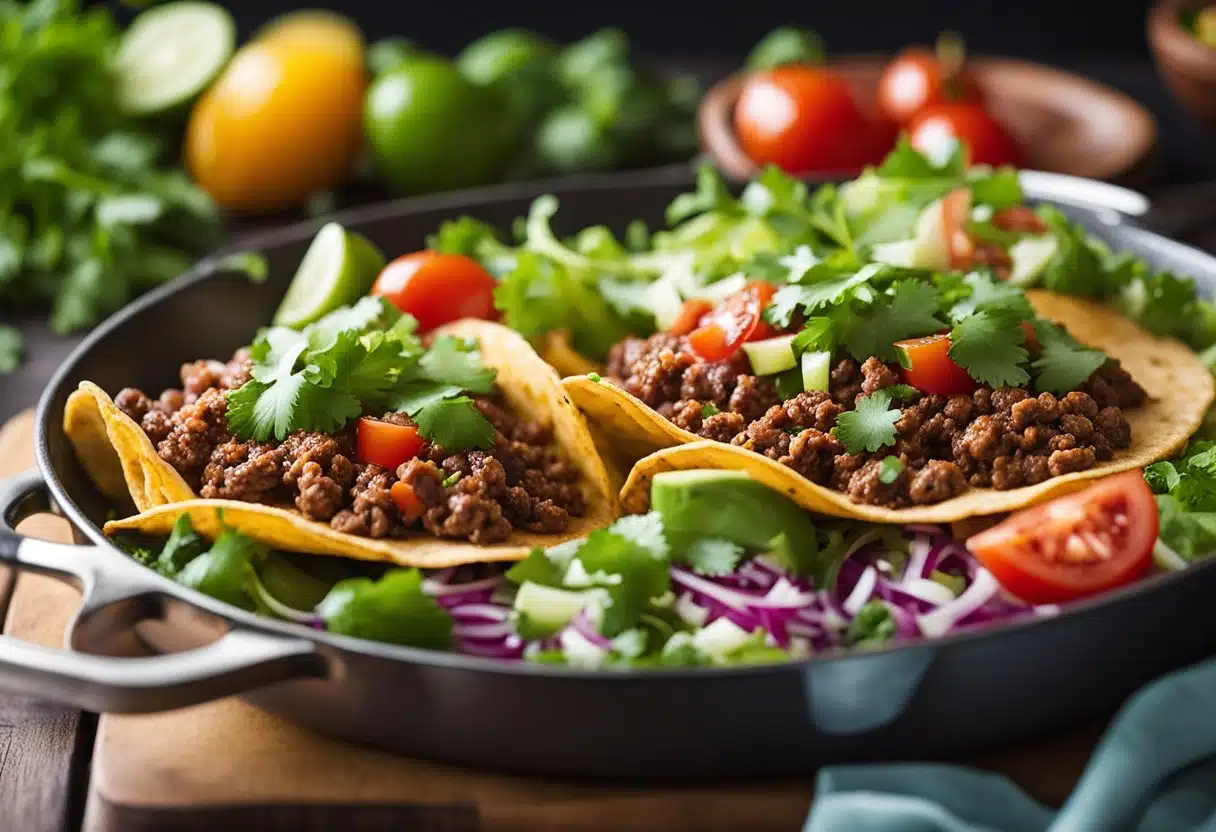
pixel 437 288
pixel 1074 546
pixel 734 321
pixel 408 503
pixel 690 316
pixel 929 368
pixel 386 444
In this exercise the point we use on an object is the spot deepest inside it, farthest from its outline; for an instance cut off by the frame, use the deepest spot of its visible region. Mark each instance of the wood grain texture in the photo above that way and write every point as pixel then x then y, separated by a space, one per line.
pixel 227 765
pixel 44 748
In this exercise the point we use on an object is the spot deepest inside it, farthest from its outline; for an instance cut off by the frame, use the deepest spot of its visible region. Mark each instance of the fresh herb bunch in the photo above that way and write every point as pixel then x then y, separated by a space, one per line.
pixel 365 356
pixel 90 214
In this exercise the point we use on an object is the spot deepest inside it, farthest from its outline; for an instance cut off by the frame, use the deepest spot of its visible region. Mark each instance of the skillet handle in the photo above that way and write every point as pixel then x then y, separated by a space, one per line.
pixel 240 660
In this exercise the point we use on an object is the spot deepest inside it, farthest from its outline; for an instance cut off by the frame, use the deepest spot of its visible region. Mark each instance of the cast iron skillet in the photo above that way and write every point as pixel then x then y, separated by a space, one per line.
pixel 922 700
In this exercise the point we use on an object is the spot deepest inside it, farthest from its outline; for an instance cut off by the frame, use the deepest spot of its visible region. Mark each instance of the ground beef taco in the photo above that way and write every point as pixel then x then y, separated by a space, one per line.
pixel 461 449
pixel 909 456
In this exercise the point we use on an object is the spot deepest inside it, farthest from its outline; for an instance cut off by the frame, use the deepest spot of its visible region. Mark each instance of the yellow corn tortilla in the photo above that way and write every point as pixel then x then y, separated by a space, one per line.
pixel 1179 387
pixel 559 355
pixel 114 450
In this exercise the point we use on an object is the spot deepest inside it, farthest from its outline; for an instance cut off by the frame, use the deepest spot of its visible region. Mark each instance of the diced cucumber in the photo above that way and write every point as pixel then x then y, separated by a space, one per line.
pixel 547 607
pixel 170 54
pixel 665 302
pixel 720 638
pixel 772 355
pixel 1030 255
pixel 815 369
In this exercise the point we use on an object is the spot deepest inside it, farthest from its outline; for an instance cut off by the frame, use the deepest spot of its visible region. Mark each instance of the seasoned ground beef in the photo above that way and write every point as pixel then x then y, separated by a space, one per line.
pixel 519 483
pixel 1003 438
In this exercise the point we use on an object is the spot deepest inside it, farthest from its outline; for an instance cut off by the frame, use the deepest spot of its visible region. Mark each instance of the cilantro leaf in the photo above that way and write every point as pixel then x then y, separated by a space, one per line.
pixel 816 335
pixel 811 296
pixel 908 311
pixel 906 162
pixel 1189 534
pixel 890 469
pixel 260 411
pixel 711 194
pixel 989 347
pixel 709 556
pixel 417 395
pixel 631 574
pixel 991 296
pixel 999 188
pixel 1063 365
pixel 709 409
pixel 870 425
pixel 455 424
pixel 537 568
pixel 452 362
pixel 1079 266
pixel 646 530
pixel 10 348
pixel 393 610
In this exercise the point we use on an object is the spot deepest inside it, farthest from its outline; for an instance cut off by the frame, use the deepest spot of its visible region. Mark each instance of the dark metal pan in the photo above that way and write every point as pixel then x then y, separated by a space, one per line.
pixel 926 699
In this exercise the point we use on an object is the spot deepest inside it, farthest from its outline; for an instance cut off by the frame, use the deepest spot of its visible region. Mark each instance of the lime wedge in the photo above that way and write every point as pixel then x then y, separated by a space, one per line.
pixel 170 54
pixel 339 267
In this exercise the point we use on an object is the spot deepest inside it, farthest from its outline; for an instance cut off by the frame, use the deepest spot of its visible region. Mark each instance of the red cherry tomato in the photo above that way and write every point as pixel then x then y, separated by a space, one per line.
pixel 1019 218
pixel 985 141
pixel 915 80
pixel 1074 546
pixel 734 321
pixel 801 119
pixel 386 444
pixel 929 368
pixel 408 503
pixel 437 288
pixel 690 316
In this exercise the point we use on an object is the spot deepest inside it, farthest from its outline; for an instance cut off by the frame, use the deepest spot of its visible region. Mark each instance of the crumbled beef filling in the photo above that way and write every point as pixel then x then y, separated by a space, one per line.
pixel 1002 439
pixel 519 483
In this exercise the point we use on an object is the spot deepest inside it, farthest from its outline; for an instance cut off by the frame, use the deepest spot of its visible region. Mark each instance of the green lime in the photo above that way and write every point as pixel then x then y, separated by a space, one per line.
pixel 339 267
pixel 432 129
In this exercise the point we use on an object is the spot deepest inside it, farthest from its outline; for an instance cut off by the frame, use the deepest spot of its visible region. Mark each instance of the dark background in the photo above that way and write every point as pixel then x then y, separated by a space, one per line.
pixel 1042 29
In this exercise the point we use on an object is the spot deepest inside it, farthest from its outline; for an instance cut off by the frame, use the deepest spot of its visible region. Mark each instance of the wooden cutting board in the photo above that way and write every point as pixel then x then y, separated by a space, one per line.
pixel 227 765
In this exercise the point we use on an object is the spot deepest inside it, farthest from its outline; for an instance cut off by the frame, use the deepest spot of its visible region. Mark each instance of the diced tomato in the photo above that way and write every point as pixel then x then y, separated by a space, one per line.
pixel 386 444
pixel 407 501
pixel 733 322
pixel 956 208
pixel 929 368
pixel 1074 546
pixel 1032 340
pixel 437 288
pixel 690 316
pixel 1019 218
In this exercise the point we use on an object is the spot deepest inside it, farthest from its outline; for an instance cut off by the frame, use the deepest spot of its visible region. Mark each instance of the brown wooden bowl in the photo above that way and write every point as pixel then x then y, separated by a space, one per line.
pixel 1062 122
pixel 1189 66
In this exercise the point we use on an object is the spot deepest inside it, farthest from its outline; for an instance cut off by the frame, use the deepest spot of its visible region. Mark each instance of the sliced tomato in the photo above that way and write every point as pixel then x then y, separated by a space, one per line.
pixel 1074 546
pixel 690 316
pixel 408 503
pixel 956 210
pixel 929 368
pixel 386 444
pixel 437 288
pixel 733 322
pixel 1019 218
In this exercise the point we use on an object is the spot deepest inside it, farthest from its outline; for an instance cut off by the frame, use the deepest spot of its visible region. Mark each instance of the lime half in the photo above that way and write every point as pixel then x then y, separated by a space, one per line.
pixel 339 267
pixel 170 54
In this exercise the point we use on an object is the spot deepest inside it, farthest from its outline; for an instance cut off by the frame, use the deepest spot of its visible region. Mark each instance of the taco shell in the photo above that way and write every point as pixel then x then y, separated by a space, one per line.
pixel 1179 387
pixel 120 458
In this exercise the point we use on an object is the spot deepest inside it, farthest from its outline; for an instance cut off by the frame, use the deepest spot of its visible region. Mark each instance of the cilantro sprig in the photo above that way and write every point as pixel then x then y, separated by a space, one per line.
pixel 870 425
pixel 1063 365
pixel 989 346
pixel 366 356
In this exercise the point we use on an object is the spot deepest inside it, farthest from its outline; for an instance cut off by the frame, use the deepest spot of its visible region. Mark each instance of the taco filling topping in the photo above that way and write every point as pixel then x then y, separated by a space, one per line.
pixel 373 434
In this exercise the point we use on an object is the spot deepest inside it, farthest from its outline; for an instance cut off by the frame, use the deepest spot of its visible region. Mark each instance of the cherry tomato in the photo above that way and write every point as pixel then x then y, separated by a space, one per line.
pixel 916 79
pixel 984 139
pixel 734 321
pixel 386 444
pixel 1019 218
pixel 690 316
pixel 283 121
pixel 1074 546
pixel 407 501
pixel 801 119
pixel 929 368
pixel 437 288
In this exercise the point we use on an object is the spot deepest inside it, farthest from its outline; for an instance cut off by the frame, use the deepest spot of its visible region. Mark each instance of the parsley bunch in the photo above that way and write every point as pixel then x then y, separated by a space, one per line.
pixel 365 356
pixel 93 212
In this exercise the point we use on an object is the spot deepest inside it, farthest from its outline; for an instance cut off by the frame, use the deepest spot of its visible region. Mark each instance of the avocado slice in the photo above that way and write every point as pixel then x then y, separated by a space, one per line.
pixel 730 505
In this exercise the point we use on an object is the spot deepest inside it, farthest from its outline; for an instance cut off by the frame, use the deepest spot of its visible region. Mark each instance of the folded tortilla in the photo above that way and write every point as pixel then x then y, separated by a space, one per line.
pixel 122 461
pixel 1179 387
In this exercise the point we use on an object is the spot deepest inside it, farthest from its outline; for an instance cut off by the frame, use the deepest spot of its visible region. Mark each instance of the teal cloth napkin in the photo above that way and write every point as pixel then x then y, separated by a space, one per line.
pixel 1153 771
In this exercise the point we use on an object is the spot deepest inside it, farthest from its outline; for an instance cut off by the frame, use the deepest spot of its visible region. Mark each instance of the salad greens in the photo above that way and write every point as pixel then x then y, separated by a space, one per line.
pixel 360 356
pixel 92 212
